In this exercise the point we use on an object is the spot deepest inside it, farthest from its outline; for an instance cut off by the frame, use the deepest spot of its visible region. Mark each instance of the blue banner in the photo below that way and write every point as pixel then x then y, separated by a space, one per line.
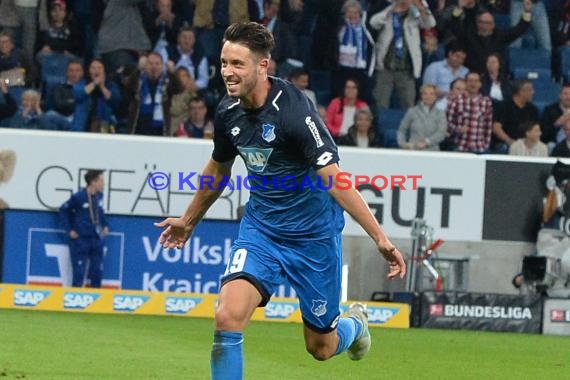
pixel 36 252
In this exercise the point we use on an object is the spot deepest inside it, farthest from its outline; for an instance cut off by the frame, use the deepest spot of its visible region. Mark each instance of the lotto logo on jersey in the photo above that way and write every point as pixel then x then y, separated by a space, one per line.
pixel 181 305
pixel 381 314
pixel 30 298
pixel 280 310
pixel 78 301
pixel 256 158
pixel 128 303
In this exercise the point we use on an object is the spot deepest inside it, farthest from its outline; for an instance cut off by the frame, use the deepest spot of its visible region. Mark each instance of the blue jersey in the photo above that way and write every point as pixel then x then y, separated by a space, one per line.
pixel 282 143
pixel 83 214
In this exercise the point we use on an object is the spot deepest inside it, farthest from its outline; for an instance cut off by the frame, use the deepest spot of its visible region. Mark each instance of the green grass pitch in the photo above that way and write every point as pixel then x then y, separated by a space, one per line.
pixel 50 345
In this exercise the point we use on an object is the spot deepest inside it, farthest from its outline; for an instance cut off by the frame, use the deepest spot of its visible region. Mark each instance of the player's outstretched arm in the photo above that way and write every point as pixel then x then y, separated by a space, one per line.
pixel 351 201
pixel 178 230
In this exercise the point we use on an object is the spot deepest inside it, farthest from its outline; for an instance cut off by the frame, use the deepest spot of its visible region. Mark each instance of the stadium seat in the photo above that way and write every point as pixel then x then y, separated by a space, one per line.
pixel 17 92
pixel 529 59
pixel 54 67
pixel 320 80
pixel 323 97
pixel 534 74
pixel 502 20
pixel 564 61
pixel 387 124
pixel 53 72
pixel 546 91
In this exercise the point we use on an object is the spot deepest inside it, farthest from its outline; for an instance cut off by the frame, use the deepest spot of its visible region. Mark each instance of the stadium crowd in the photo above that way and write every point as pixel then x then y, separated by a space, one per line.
pixel 479 76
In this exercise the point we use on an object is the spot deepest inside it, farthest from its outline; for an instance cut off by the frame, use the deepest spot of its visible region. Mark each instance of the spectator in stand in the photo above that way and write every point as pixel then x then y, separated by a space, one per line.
pixel 103 96
pixel 562 149
pixel 398 50
pixel 29 113
pixel 442 73
pixel 467 18
pixel 487 39
pixel 9 20
pixel 560 21
pixel 166 24
pixel 554 117
pixel 457 87
pixel 197 125
pixel 122 36
pixel 341 110
pixel 10 56
pixel 180 105
pixel 530 144
pixel 187 53
pixel 9 106
pixel 151 90
pixel 62 35
pixel 496 84
pixel 423 126
pixel 286 52
pixel 33 16
pixel 69 111
pixel 362 133
pixel 539 22
pixel 470 118
pixel 511 113
pixel 300 79
pixel 88 15
pixel 355 48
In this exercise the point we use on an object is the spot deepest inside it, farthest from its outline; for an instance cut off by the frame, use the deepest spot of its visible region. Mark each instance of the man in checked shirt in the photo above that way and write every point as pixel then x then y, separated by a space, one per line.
pixel 470 118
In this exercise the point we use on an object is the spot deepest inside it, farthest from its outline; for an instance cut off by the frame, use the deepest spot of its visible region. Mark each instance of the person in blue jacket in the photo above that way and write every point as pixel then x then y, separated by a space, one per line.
pixel 83 217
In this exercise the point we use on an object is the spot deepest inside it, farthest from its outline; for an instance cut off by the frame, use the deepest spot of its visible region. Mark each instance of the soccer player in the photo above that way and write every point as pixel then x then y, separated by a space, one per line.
pixel 284 233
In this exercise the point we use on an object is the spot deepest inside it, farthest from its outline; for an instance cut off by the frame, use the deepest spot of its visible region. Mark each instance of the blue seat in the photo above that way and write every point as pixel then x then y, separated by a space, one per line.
pixel 53 72
pixel 534 74
pixel 323 97
pixel 502 20
pixel 546 91
pixel 564 59
pixel 529 59
pixel 16 93
pixel 54 67
pixel 387 124
pixel 320 80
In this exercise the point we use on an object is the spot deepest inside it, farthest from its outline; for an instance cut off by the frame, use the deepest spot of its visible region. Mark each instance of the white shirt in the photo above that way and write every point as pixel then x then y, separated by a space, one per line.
pixel 347 119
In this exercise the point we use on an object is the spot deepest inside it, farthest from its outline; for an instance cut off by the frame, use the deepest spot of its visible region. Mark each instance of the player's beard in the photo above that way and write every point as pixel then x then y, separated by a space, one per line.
pixel 244 87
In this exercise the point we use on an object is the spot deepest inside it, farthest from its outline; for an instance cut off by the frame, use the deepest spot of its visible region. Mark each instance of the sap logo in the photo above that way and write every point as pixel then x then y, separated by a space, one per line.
pixel 78 301
pixel 128 303
pixel 29 298
pixel 381 314
pixel 280 310
pixel 181 305
pixel 256 159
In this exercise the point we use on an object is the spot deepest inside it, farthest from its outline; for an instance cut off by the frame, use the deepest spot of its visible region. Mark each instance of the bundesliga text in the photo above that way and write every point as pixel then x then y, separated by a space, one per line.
pixel 342 181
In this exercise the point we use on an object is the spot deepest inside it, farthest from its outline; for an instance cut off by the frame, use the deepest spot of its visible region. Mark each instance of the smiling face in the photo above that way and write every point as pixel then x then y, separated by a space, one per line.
pixel 242 70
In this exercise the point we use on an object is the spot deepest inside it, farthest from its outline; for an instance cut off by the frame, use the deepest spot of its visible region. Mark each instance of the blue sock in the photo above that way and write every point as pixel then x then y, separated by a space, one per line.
pixel 227 356
pixel 347 330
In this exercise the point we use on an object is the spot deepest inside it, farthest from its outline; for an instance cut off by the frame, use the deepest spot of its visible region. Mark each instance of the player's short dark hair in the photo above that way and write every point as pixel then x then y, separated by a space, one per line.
pixel 92 175
pixel 254 36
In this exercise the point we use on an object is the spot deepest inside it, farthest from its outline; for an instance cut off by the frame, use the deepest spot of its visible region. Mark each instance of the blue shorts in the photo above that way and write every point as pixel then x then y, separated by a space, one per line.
pixel 312 267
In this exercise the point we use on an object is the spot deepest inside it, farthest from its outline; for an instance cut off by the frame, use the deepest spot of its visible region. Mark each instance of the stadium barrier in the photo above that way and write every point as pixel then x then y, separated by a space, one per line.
pixel 556 317
pixel 482 312
pixel 111 301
